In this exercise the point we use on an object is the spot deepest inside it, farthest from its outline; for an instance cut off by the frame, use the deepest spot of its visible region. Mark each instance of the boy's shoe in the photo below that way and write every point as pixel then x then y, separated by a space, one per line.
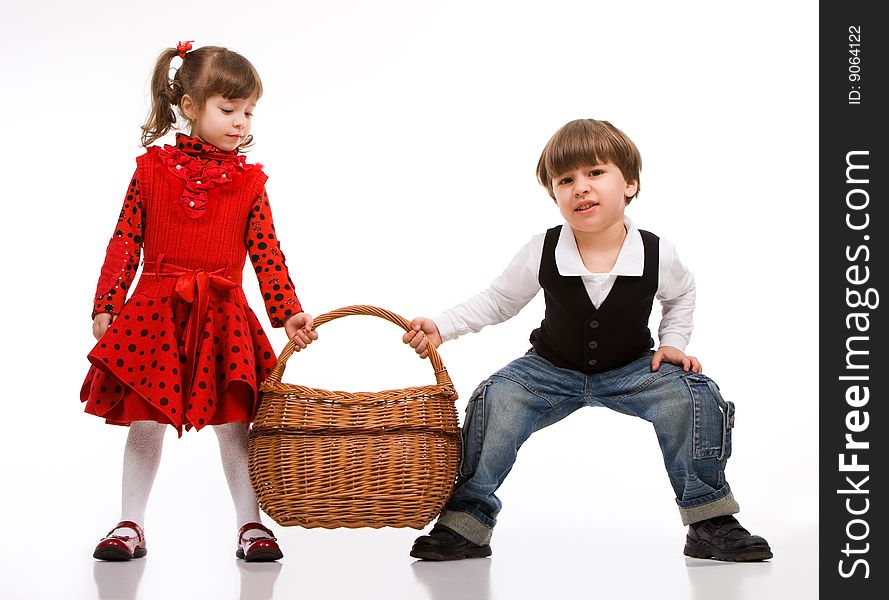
pixel 443 543
pixel 723 538
pixel 258 549
pixel 122 547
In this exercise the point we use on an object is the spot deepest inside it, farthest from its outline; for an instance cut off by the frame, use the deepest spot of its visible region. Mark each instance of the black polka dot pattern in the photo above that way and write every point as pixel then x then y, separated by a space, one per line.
pixel 122 255
pixel 232 348
pixel 269 264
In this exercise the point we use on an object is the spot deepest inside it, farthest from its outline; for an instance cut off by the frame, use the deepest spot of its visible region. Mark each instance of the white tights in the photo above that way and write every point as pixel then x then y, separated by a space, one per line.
pixel 142 456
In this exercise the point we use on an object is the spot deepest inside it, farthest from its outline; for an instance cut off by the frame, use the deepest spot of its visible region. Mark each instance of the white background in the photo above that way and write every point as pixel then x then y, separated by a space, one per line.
pixel 401 140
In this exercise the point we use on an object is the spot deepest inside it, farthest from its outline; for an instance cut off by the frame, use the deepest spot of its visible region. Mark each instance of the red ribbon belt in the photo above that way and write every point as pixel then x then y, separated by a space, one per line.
pixel 193 286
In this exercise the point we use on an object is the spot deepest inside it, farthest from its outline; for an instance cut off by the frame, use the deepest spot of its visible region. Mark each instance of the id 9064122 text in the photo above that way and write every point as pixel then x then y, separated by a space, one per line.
pixel 855 64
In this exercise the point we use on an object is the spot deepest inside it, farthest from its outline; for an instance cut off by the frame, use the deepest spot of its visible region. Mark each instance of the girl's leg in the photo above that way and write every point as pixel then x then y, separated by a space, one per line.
pixel 232 439
pixel 254 544
pixel 142 456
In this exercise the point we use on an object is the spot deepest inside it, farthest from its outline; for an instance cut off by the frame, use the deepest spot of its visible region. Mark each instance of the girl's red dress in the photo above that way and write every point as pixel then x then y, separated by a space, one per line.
pixel 186 349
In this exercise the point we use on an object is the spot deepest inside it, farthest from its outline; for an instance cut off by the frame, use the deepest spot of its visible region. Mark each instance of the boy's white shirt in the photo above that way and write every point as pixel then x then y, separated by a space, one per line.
pixel 518 284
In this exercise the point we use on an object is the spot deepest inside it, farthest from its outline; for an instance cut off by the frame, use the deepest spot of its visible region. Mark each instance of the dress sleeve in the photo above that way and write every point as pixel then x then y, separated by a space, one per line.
pixel 121 256
pixel 268 262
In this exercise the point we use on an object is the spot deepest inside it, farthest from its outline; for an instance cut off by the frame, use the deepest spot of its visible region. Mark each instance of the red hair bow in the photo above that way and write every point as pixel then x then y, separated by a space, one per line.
pixel 183 47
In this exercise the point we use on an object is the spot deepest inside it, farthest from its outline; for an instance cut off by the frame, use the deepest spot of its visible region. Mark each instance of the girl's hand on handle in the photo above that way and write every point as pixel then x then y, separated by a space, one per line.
pixel 101 323
pixel 423 332
pixel 299 329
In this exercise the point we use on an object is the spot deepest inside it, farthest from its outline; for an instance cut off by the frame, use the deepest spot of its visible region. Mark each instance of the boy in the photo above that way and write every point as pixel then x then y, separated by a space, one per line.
pixel 599 276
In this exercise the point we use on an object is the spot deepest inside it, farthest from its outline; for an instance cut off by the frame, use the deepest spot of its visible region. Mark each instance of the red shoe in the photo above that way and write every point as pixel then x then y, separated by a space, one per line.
pixel 122 547
pixel 258 549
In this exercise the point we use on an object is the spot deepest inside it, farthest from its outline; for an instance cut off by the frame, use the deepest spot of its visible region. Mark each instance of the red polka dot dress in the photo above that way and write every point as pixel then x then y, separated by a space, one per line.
pixel 186 349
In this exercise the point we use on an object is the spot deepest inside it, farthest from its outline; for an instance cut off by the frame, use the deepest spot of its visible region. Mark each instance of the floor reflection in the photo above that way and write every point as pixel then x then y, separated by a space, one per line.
pixel 118 580
pixel 258 579
pixel 710 579
pixel 468 579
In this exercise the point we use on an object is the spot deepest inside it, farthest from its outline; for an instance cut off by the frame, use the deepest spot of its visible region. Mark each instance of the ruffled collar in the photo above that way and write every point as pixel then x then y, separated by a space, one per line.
pixel 203 167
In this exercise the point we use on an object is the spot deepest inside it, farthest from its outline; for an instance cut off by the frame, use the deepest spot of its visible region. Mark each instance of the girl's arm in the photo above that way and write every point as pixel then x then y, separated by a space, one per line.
pixel 121 256
pixel 264 250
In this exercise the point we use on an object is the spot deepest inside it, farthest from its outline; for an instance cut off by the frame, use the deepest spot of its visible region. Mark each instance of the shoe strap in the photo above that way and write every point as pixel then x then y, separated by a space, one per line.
pixel 259 526
pixel 730 526
pixel 140 535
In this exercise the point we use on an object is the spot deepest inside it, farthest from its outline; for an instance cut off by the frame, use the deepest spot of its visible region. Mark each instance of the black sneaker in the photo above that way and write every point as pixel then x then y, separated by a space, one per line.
pixel 723 538
pixel 446 544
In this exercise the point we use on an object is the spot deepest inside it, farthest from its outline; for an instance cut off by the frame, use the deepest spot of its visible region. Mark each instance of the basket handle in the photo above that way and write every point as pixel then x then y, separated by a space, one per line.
pixel 441 374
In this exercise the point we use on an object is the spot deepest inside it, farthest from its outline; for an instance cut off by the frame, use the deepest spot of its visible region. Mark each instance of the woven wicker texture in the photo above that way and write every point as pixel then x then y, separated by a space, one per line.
pixel 322 458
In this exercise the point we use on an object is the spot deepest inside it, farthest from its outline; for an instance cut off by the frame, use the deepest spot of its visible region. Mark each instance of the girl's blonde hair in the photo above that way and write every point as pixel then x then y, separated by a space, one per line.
pixel 583 143
pixel 204 72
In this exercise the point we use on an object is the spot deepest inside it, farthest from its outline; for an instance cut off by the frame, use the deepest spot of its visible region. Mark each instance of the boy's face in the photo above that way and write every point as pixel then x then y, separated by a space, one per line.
pixel 592 198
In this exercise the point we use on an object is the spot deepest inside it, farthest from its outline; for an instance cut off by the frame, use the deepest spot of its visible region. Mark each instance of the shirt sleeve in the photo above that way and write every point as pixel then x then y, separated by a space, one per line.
pixel 507 295
pixel 277 288
pixel 676 293
pixel 121 256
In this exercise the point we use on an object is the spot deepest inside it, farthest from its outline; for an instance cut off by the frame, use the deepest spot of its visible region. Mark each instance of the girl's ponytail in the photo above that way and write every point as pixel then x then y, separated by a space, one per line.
pixel 165 94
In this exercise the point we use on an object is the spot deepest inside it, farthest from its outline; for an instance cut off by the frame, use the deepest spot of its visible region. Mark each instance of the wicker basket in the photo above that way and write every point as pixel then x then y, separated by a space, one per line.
pixel 319 458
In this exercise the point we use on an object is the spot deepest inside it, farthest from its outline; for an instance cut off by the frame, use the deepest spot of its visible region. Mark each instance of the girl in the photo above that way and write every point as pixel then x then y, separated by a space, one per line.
pixel 186 350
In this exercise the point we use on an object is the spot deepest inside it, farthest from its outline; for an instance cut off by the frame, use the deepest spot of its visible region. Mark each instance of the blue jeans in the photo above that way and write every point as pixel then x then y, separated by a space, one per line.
pixel 692 422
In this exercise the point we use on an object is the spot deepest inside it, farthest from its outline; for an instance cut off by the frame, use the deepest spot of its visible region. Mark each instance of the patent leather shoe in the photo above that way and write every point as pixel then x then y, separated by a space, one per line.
pixel 122 547
pixel 258 549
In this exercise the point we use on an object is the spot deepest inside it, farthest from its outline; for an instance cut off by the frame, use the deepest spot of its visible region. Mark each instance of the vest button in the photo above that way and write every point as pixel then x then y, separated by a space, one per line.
pixel 593 345
pixel 592 362
pixel 594 324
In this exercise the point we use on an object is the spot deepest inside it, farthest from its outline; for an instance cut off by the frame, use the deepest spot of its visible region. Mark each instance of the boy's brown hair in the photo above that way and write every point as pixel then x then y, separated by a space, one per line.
pixel 586 142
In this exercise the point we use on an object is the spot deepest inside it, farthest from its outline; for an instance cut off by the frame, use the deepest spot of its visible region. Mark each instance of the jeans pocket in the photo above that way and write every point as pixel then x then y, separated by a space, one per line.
pixel 714 419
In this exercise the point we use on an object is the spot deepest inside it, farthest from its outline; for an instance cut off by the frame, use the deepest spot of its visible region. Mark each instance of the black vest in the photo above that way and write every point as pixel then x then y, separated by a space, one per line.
pixel 576 335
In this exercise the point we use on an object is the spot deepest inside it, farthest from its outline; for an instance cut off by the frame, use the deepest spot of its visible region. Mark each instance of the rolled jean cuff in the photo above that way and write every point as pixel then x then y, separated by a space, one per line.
pixel 723 506
pixel 466 525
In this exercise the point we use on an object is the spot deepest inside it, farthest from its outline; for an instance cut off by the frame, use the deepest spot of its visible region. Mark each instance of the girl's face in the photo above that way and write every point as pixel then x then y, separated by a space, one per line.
pixel 592 198
pixel 223 122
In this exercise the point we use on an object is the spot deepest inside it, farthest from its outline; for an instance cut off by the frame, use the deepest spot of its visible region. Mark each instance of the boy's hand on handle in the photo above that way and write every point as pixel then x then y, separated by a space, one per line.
pixel 675 356
pixel 299 329
pixel 423 332
pixel 101 323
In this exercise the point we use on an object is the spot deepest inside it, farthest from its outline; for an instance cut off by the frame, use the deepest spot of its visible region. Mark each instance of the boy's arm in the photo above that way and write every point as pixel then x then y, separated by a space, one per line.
pixel 676 293
pixel 507 295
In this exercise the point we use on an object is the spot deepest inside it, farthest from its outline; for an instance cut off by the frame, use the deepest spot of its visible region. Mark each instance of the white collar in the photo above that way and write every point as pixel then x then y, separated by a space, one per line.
pixel 630 261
